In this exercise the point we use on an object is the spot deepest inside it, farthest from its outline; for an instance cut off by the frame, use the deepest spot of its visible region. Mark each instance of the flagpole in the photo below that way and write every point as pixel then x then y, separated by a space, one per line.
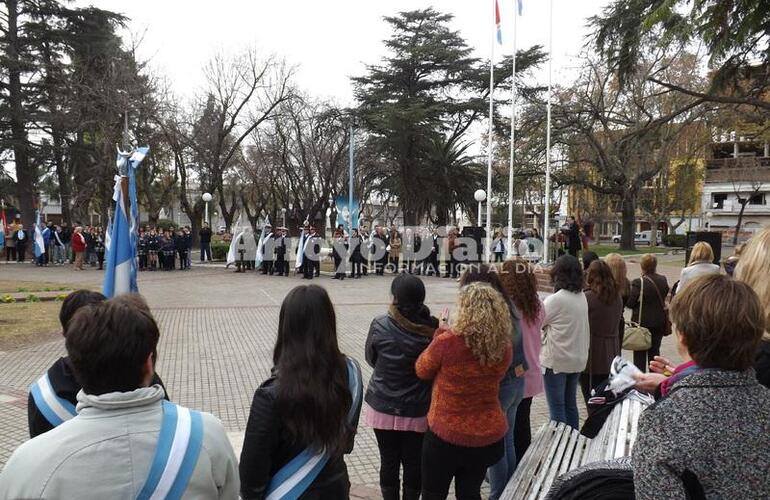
pixel 547 203
pixel 513 138
pixel 490 144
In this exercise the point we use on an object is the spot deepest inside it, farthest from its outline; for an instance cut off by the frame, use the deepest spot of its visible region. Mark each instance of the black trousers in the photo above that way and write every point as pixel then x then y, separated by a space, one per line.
pixel 395 262
pixel 522 432
pixel 10 253
pixel 355 267
pixel 205 251
pixel 182 259
pixel 442 462
pixel 498 256
pixel 400 449
pixel 267 267
pixel 281 266
pixel 642 358
pixel 21 252
pixel 309 265
pixel 142 262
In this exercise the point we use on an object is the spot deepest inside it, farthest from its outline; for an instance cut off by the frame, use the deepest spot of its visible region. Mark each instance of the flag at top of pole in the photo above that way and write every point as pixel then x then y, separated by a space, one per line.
pixel 519 6
pixel 497 23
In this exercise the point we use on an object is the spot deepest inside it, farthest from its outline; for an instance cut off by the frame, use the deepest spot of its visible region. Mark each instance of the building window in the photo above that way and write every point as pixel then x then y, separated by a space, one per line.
pixel 757 199
pixel 718 200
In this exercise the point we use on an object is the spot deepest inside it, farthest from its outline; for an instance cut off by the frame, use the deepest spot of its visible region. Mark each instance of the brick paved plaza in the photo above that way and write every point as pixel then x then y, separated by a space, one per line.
pixel 217 333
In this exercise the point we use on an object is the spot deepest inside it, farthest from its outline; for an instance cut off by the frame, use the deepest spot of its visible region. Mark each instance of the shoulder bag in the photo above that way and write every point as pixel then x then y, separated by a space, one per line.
pixel 635 336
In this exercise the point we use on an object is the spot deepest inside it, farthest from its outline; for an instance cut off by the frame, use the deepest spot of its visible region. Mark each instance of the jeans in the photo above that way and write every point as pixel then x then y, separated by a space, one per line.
pixel 511 394
pixel 443 461
pixel 59 254
pixel 205 251
pixel 400 449
pixel 561 394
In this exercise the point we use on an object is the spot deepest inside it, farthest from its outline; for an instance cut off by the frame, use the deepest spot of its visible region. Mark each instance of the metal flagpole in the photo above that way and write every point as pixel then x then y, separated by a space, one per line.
pixel 513 140
pixel 490 142
pixel 547 203
pixel 350 180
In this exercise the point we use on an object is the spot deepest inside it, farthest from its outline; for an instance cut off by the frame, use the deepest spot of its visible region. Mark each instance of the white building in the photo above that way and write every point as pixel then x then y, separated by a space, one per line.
pixel 739 171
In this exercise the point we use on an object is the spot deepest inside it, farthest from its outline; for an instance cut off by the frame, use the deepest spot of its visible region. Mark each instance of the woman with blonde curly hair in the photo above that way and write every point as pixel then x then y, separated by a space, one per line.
pixel 466 424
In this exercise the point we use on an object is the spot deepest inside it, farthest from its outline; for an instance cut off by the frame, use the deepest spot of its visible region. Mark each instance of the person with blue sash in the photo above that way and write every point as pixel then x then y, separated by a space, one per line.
pixel 126 441
pixel 303 419
pixel 53 396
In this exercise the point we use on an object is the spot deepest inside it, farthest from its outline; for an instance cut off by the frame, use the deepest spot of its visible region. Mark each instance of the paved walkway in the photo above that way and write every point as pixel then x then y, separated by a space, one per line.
pixel 217 334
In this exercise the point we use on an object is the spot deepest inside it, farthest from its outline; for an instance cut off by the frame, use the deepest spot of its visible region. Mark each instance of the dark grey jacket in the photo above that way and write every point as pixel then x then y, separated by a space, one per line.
pixel 709 438
pixel 392 347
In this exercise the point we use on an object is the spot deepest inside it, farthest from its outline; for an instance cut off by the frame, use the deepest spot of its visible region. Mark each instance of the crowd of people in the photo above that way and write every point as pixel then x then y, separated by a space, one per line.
pixel 424 251
pixel 80 245
pixel 162 249
pixel 449 395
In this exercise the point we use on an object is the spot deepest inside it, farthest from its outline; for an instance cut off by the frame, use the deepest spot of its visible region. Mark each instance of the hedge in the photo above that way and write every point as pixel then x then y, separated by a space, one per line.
pixel 219 250
pixel 675 240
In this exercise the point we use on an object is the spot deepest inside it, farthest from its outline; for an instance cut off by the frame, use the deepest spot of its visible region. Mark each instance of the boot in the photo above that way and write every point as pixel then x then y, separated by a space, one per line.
pixel 410 494
pixel 389 492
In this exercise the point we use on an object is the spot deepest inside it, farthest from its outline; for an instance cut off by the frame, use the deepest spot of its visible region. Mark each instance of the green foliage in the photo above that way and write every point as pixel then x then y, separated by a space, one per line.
pixel 164 224
pixel 675 240
pixel 219 250
pixel 60 297
pixel 32 298
pixel 7 299
pixel 418 104
pixel 22 290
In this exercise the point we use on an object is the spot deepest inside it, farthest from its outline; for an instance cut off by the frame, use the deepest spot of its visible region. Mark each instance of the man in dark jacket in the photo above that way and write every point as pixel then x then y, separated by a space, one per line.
pixel 205 236
pixel 60 384
pixel 21 237
pixel 312 259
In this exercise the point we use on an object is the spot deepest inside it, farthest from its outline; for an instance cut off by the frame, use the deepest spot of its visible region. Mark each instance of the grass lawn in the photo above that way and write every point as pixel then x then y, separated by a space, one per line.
pixel 602 250
pixel 23 324
pixel 16 286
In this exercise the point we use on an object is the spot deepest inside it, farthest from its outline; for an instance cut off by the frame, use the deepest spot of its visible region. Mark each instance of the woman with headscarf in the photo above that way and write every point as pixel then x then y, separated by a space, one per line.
pixel 397 400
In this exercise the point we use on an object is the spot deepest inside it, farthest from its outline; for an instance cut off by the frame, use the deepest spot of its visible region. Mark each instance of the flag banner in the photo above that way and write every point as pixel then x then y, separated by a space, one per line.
pixel 497 23
pixel 133 163
pixel 520 6
pixel 39 247
pixel 347 215
pixel 261 244
pixel 2 228
pixel 120 255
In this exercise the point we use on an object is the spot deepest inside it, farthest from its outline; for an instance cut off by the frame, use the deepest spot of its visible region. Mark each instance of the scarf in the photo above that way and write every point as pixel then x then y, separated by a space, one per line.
pixel 682 371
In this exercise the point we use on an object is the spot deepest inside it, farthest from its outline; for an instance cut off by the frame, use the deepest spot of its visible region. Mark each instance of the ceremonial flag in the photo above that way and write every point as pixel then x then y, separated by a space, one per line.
pixel 519 5
pixel 497 23
pixel 261 244
pixel 118 268
pixel 39 246
pixel 2 227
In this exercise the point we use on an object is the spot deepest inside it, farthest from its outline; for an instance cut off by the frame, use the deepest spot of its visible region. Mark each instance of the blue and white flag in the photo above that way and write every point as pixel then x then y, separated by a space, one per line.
pixel 519 5
pixel 39 241
pixel 120 255
pixel 261 245
pixel 120 269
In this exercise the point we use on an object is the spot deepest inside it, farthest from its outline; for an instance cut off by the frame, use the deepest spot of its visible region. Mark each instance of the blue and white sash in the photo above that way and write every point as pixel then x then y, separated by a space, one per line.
pixel 179 445
pixel 55 409
pixel 291 481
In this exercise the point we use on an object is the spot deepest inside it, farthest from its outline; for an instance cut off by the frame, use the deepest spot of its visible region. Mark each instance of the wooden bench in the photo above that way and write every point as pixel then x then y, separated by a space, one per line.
pixel 557 448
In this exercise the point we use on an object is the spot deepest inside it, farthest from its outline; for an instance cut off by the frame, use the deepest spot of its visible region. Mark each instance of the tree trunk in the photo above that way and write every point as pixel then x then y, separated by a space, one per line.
pixel 740 221
pixel 628 217
pixel 26 177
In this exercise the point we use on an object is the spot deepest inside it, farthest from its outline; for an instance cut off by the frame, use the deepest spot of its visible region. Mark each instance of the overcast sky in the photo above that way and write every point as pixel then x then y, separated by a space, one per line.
pixel 332 40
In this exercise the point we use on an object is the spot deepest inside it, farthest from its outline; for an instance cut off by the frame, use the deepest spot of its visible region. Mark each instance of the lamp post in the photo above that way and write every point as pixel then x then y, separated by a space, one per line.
pixel 206 198
pixel 709 215
pixel 283 216
pixel 480 195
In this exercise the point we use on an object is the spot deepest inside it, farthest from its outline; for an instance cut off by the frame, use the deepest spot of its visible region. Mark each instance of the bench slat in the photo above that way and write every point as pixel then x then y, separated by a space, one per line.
pixel 545 469
pixel 622 433
pixel 527 468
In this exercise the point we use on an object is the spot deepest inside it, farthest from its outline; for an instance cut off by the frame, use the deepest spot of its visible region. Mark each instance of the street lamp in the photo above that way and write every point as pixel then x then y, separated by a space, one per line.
pixel 480 195
pixel 207 198
pixel 709 215
pixel 283 214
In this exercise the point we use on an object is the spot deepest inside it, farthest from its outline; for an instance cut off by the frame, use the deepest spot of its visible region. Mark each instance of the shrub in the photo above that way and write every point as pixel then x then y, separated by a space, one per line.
pixel 61 297
pixel 219 250
pixel 7 299
pixel 675 240
pixel 21 290
pixel 165 224
pixel 33 298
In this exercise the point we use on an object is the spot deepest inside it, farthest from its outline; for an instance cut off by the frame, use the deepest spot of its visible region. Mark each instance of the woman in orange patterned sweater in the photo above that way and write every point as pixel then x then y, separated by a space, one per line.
pixel 466 424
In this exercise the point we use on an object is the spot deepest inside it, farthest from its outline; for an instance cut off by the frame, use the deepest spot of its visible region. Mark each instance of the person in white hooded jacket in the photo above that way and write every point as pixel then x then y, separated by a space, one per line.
pixel 125 442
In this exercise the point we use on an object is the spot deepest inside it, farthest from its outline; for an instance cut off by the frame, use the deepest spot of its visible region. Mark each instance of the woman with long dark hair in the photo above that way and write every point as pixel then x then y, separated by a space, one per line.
pixel 605 310
pixel 304 417
pixel 520 285
pixel 512 386
pixel 397 400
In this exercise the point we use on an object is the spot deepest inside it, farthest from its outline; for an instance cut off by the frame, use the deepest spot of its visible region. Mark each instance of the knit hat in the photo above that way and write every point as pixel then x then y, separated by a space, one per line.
pixel 407 290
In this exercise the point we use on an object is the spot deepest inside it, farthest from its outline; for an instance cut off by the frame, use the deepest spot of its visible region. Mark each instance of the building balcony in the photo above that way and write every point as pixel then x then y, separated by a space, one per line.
pixel 738 169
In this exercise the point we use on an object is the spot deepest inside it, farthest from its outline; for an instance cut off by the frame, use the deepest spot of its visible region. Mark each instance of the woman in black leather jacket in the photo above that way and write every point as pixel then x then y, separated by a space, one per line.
pixel 308 408
pixel 398 401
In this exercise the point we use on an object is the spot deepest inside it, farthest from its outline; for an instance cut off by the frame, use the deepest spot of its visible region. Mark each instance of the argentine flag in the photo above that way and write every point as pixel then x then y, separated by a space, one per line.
pixel 39 247
pixel 120 254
